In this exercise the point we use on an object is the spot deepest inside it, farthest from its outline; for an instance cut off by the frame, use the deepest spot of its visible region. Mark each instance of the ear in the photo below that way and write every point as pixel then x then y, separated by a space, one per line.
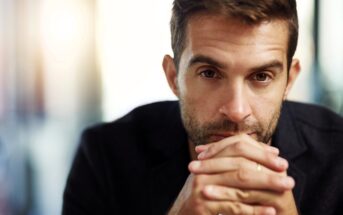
pixel 292 76
pixel 171 73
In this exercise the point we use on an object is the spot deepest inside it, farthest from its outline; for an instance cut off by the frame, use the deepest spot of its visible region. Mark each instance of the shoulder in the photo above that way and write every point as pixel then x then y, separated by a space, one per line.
pixel 145 131
pixel 315 116
pixel 145 116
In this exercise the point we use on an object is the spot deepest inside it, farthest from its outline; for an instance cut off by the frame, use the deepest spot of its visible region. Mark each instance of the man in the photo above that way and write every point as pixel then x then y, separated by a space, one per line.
pixel 232 145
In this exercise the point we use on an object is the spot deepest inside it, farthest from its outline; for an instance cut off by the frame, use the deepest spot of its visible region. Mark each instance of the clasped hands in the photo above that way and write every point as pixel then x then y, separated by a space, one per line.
pixel 237 175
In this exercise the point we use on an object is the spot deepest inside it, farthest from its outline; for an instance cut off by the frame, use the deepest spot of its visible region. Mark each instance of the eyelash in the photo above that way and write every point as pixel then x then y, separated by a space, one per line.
pixel 268 77
pixel 215 74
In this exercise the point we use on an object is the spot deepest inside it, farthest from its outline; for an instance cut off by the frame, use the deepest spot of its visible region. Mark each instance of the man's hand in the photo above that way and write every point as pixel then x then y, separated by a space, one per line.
pixel 236 175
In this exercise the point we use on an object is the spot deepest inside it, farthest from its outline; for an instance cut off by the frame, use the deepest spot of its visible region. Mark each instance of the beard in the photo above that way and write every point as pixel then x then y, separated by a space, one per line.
pixel 202 133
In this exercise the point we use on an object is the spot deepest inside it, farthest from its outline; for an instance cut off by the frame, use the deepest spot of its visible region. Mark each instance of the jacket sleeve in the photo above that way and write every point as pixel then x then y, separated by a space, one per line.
pixel 85 191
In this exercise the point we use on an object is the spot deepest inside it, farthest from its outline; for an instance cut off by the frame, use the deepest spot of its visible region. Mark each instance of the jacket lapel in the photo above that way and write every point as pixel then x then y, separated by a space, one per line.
pixel 167 180
pixel 169 173
pixel 288 139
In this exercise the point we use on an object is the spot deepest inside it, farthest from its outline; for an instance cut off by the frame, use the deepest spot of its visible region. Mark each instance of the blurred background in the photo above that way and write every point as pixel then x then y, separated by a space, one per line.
pixel 67 64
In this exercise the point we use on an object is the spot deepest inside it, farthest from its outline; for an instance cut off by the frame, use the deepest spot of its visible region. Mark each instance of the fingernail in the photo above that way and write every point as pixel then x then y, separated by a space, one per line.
pixel 280 162
pixel 270 211
pixel 274 150
pixel 200 148
pixel 202 155
pixel 288 182
pixel 194 165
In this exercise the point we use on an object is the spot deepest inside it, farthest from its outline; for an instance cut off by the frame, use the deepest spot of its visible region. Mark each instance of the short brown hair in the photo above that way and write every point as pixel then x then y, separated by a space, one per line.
pixel 248 11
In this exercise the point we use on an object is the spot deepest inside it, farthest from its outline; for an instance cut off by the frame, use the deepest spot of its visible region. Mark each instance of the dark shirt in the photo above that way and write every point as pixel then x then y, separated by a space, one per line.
pixel 138 163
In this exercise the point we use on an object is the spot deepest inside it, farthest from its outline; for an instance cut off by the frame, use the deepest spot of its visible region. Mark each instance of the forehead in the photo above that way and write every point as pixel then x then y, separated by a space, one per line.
pixel 230 39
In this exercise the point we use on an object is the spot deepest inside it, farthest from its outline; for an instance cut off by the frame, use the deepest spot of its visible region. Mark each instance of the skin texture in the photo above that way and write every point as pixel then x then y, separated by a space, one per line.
pixel 231 82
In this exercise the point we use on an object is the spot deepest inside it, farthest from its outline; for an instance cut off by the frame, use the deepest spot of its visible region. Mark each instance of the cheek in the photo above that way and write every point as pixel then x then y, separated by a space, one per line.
pixel 264 106
pixel 270 95
pixel 201 102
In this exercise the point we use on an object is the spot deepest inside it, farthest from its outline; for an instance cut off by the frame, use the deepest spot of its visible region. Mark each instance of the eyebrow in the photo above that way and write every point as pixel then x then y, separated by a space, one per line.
pixel 274 64
pixel 205 59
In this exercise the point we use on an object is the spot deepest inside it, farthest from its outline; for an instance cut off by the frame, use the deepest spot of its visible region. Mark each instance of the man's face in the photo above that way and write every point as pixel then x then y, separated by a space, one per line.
pixel 232 78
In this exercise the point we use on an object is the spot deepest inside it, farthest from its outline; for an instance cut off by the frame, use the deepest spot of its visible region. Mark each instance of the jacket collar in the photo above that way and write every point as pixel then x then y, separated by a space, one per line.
pixel 169 173
pixel 288 139
pixel 287 135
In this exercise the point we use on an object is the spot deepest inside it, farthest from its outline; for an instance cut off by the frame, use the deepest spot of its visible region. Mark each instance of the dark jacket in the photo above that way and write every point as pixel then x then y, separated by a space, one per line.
pixel 138 164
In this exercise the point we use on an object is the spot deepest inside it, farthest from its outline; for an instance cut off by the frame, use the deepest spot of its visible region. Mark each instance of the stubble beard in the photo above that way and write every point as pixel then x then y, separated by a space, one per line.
pixel 200 134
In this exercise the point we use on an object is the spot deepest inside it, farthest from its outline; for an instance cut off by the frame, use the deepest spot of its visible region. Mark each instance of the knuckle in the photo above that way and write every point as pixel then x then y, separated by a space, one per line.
pixel 241 163
pixel 208 164
pixel 209 151
pixel 243 195
pixel 243 175
pixel 212 149
pixel 227 193
pixel 273 179
pixel 269 157
pixel 239 147
pixel 270 179
pixel 237 208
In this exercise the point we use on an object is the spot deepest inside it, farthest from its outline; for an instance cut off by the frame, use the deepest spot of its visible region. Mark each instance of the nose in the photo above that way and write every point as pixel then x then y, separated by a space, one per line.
pixel 236 106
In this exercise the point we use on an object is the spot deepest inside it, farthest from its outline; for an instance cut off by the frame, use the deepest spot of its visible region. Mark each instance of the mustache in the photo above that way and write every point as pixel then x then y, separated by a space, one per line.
pixel 229 126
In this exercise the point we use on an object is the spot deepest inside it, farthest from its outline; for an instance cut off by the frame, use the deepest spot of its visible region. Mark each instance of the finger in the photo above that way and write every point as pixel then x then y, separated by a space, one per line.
pixel 240 149
pixel 269 148
pixel 227 207
pixel 244 148
pixel 247 179
pixel 201 148
pixel 256 197
pixel 225 164
pixel 213 148
pixel 221 193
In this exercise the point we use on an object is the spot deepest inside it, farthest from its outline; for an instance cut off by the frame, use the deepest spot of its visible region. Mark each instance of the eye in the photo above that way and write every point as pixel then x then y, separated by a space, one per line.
pixel 261 77
pixel 209 74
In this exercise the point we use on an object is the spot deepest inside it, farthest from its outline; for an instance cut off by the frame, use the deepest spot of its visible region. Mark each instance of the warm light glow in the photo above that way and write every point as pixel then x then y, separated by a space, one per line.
pixel 331 44
pixel 62 27
pixel 66 37
pixel 131 43
pixel 67 51
pixel 302 91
